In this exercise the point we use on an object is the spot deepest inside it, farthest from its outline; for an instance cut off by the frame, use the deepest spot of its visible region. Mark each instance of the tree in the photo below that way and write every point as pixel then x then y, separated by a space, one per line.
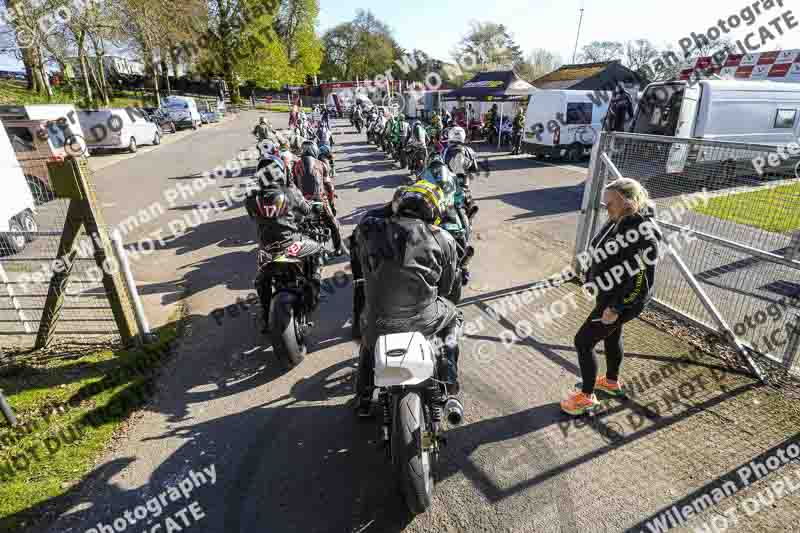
pixel 363 47
pixel 241 32
pixel 489 46
pixel 601 52
pixel 296 27
pixel 538 63
pixel 639 53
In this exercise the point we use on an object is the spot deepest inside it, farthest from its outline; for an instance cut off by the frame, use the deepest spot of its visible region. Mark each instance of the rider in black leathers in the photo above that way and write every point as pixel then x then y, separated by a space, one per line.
pixel 407 264
pixel 310 175
pixel 278 209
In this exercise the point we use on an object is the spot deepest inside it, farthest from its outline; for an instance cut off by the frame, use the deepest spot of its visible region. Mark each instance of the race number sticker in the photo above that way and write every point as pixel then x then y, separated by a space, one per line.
pixel 294 249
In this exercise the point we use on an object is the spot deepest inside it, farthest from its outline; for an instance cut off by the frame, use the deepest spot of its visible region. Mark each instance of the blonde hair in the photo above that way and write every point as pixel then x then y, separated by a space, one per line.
pixel 636 197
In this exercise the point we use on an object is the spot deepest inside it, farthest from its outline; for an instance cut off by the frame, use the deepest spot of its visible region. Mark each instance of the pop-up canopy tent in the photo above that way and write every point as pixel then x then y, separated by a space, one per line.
pixel 498 85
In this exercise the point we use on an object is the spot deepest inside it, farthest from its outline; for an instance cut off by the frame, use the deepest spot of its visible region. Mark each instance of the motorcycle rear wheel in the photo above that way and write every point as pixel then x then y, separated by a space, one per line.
pixel 287 340
pixel 413 464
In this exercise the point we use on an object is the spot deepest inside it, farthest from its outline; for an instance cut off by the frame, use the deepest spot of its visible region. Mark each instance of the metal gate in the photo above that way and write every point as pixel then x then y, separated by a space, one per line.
pixel 740 203
pixel 51 282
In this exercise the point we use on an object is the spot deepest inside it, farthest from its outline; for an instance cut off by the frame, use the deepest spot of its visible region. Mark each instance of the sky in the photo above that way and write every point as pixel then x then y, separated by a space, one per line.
pixel 436 26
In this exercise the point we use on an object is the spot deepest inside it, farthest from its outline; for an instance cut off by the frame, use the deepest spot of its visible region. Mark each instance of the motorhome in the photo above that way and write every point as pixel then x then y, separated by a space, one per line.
pixel 118 129
pixel 564 123
pixel 183 111
pixel 17 207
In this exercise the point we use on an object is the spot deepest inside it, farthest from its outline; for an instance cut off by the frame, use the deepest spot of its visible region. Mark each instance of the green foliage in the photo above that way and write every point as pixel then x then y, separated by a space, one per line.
pixel 363 47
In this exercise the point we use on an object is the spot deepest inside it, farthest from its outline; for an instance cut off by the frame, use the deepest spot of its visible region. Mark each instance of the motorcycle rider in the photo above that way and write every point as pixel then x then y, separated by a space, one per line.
pixel 289 160
pixel 324 135
pixel 278 208
pixel 358 119
pixel 326 156
pixel 326 119
pixel 263 130
pixel 417 139
pixel 519 126
pixel 461 161
pixel 310 175
pixel 436 126
pixel 408 265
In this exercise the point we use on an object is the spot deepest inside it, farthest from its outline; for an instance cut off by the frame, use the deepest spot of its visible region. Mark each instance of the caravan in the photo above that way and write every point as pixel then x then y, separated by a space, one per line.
pixel 562 123
pixel 17 207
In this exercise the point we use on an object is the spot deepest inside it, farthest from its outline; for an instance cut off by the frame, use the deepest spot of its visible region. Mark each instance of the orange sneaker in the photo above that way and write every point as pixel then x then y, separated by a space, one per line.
pixel 578 403
pixel 614 388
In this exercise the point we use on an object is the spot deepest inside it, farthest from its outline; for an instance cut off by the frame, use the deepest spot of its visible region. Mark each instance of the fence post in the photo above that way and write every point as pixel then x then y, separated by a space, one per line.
pixel 125 268
pixel 589 203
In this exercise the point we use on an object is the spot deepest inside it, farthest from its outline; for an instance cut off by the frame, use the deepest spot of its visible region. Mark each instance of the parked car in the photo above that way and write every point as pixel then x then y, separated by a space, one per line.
pixel 563 123
pixel 118 129
pixel 209 117
pixel 164 123
pixel 17 207
pixel 183 111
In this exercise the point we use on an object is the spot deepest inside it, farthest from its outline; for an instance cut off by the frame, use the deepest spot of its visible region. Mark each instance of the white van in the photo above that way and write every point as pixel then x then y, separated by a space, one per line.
pixel 755 111
pixel 562 123
pixel 17 207
pixel 758 111
pixel 118 129
pixel 182 110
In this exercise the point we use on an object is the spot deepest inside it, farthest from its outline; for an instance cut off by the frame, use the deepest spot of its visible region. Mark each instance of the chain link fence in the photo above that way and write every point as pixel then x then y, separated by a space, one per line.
pixel 30 255
pixel 745 258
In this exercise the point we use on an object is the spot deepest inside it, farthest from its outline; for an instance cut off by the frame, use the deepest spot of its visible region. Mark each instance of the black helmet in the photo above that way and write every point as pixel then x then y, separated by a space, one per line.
pixel 422 200
pixel 271 171
pixel 310 149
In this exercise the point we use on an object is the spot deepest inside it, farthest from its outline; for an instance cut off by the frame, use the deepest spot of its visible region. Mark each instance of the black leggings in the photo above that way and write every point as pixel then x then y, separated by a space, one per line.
pixel 593 331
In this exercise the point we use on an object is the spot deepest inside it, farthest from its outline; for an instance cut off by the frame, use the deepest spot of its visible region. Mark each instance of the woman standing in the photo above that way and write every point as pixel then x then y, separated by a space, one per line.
pixel 624 254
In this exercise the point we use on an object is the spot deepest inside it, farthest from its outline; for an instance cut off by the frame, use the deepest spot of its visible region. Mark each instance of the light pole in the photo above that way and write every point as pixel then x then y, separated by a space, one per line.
pixel 580 21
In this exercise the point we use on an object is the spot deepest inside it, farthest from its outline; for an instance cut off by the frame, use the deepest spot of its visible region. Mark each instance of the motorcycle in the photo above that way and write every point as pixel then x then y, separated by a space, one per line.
pixel 506 132
pixel 400 154
pixel 294 269
pixel 357 123
pixel 417 158
pixel 414 405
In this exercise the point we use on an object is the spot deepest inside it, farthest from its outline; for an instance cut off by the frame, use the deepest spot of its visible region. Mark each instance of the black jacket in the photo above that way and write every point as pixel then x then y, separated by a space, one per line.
pixel 408 267
pixel 637 277
pixel 620 110
pixel 278 211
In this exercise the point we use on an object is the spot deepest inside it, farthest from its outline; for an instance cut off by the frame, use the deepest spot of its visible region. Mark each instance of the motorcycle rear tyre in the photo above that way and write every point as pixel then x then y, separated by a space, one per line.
pixel 287 342
pixel 413 465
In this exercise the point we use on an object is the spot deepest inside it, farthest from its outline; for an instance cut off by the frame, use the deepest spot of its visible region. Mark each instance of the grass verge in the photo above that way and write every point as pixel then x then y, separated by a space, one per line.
pixel 12 92
pixel 278 108
pixel 774 209
pixel 69 408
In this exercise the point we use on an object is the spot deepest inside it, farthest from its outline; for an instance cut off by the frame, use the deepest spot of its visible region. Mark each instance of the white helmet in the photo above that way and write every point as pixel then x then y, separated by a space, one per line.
pixel 457 134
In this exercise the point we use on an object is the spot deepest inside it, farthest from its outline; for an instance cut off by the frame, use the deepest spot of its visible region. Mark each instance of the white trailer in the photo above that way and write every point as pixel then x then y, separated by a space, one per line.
pixel 564 123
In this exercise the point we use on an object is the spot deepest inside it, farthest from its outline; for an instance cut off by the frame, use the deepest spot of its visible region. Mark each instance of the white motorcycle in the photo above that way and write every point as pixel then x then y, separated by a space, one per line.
pixel 412 403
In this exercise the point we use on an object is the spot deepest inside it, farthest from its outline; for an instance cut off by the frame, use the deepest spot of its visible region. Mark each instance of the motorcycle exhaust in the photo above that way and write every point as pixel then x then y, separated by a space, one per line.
pixel 454 412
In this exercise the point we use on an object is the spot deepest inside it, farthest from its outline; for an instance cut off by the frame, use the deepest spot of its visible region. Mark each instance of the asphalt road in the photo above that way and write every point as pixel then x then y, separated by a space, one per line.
pixel 289 454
